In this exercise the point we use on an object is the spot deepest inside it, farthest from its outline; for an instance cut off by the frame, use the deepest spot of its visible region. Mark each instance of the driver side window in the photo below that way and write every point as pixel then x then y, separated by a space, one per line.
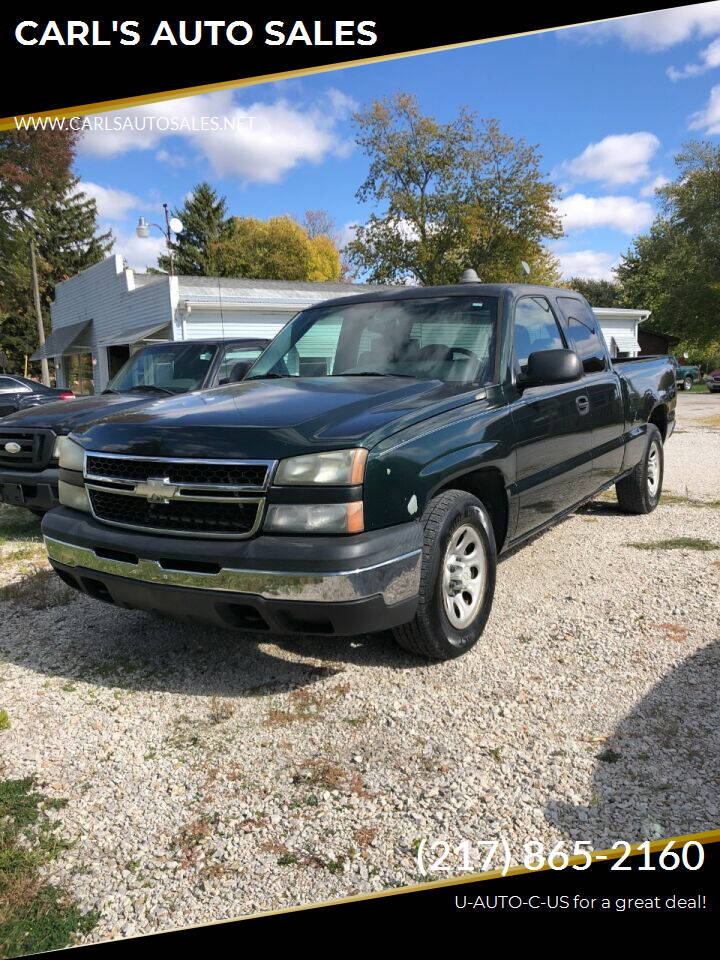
pixel 535 329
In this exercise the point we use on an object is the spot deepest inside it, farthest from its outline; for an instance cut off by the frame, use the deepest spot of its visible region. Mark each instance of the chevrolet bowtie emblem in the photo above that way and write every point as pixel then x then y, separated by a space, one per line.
pixel 156 489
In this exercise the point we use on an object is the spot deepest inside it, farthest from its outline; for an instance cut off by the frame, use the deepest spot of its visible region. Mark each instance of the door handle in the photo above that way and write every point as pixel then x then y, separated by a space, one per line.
pixel 583 405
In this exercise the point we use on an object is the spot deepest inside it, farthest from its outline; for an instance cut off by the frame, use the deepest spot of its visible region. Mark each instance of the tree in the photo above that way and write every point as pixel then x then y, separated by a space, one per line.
pixel 599 293
pixel 274 249
pixel 204 222
pixel 451 195
pixel 674 268
pixel 40 200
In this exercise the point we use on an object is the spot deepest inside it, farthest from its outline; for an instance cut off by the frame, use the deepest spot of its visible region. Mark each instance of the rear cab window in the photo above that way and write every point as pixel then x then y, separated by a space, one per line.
pixel 584 333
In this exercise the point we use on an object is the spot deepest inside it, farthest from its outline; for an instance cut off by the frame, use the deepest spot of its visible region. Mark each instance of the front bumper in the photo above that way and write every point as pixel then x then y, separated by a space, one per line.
pixel 336 585
pixel 24 488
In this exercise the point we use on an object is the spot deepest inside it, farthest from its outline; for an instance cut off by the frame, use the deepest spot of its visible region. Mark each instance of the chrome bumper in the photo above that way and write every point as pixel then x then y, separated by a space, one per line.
pixel 396 579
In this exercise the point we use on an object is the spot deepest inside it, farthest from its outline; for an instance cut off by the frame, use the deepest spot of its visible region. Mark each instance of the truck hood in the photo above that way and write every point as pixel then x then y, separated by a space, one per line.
pixel 63 416
pixel 271 419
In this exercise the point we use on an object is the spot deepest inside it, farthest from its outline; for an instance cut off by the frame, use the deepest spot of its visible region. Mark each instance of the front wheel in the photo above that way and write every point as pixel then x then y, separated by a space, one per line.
pixel 640 491
pixel 457 580
pixel 687 383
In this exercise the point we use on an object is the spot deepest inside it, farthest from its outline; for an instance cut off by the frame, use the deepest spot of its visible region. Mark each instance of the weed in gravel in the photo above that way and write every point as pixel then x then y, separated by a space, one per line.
pixel 41 591
pixel 364 836
pixel 4 720
pixel 609 756
pixel 220 710
pixel 34 916
pixel 306 704
pixel 677 543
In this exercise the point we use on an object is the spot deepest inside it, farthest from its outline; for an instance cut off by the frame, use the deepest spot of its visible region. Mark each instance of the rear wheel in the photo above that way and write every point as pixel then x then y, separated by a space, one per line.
pixel 457 580
pixel 640 491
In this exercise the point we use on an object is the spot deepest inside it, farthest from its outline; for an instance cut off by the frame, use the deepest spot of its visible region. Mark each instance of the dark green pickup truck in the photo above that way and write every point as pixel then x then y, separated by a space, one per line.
pixel 379 456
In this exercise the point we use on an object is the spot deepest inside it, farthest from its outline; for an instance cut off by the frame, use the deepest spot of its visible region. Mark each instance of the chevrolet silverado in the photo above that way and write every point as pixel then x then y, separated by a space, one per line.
pixel 379 456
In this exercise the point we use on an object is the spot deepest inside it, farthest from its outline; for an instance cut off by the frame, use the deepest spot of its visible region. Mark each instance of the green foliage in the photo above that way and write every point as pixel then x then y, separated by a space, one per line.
pixel 674 269
pixel 39 198
pixel 203 217
pixel 34 915
pixel 274 249
pixel 599 293
pixel 450 195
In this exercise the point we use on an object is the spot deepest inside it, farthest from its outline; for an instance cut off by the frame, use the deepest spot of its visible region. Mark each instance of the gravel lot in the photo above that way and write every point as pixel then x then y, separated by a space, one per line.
pixel 210 775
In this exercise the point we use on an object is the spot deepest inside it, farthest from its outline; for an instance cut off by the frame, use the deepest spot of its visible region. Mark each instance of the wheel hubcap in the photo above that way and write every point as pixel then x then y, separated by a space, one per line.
pixel 463 576
pixel 653 469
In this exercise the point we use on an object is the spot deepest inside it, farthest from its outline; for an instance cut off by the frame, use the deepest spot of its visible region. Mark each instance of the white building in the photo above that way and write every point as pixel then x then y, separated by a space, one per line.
pixel 106 311
pixel 103 313
pixel 620 328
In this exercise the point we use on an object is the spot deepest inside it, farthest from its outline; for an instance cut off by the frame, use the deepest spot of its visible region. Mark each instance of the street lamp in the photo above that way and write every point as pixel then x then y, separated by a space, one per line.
pixel 172 226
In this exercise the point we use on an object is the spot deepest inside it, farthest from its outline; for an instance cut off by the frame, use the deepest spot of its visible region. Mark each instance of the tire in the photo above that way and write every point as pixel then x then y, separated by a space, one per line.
pixel 450 520
pixel 688 383
pixel 640 491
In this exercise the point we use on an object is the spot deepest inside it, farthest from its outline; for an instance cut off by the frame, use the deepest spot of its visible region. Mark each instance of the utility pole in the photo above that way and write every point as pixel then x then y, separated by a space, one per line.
pixel 38 312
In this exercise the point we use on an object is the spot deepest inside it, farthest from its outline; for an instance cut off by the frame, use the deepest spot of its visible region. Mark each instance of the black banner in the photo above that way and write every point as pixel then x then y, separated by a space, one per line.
pixel 61 64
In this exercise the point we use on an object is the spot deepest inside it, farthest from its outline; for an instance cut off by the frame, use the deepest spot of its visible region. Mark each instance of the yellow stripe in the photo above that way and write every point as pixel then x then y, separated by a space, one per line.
pixel 8 123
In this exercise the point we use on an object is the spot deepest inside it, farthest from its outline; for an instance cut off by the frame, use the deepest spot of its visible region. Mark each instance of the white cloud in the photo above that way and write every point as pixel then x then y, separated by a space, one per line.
pixel 709 60
pixel 618 158
pixel 112 204
pixel 254 142
pixel 655 184
pixel 579 212
pixel 658 30
pixel 709 118
pixel 590 264
pixel 347 233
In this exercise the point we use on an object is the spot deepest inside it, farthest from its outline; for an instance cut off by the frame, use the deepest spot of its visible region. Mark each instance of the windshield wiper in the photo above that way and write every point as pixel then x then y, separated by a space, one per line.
pixel 269 376
pixel 151 386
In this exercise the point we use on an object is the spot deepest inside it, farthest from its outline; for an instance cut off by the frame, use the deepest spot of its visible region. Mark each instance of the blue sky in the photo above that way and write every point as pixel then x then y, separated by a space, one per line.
pixel 607 105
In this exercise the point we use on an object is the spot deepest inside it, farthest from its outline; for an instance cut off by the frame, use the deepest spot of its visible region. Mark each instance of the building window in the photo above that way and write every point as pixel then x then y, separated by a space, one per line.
pixel 78 373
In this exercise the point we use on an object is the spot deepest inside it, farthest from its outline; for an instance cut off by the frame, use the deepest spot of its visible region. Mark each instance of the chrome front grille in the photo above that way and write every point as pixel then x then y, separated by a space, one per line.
pixel 180 497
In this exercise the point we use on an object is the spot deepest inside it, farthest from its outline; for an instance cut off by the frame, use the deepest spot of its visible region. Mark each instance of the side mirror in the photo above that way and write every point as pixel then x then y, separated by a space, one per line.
pixel 550 366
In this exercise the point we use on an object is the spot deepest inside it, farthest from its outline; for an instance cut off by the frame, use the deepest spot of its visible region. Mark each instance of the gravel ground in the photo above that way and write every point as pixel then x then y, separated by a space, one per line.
pixel 210 775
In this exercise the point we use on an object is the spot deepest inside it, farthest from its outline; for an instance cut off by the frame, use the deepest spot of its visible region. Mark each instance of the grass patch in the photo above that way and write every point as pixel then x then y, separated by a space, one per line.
pixel 677 543
pixel 18 524
pixel 4 720
pixel 713 422
pixel 678 500
pixel 34 916
pixel 40 591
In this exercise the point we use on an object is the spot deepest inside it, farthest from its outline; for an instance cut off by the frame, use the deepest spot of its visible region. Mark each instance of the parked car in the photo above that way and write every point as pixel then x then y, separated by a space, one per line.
pixel 686 375
pixel 450 424
pixel 29 439
pixel 21 393
pixel 713 381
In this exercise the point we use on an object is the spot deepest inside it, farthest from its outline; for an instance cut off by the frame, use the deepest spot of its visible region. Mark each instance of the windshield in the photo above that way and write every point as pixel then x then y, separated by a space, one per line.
pixel 165 367
pixel 432 338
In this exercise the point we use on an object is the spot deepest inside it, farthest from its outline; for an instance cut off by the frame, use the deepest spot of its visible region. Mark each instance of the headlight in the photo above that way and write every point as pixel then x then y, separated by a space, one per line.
pixel 315 518
pixel 71 454
pixel 72 496
pixel 337 467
